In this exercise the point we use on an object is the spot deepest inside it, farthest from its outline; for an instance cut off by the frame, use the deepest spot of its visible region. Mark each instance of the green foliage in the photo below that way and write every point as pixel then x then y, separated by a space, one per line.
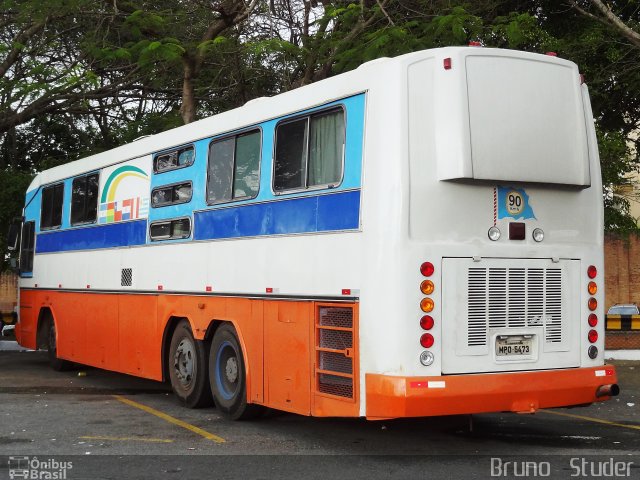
pixel 13 185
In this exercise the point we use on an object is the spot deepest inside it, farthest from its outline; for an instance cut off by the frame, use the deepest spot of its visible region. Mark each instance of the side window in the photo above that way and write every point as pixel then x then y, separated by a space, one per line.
pixel 178 158
pixel 309 151
pixel 27 247
pixel 170 229
pixel 171 194
pixel 51 207
pixel 234 168
pixel 84 199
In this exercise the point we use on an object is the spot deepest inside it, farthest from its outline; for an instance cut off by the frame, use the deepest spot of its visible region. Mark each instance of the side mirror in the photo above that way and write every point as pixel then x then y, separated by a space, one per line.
pixel 13 239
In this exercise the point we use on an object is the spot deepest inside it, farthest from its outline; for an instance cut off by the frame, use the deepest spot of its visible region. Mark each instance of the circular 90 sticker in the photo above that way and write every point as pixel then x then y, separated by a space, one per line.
pixel 515 202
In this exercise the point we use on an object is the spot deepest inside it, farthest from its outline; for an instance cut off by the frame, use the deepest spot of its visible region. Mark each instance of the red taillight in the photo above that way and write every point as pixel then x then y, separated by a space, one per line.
pixel 593 304
pixel 426 340
pixel 593 320
pixel 592 271
pixel 447 63
pixel 593 336
pixel 427 269
pixel 426 322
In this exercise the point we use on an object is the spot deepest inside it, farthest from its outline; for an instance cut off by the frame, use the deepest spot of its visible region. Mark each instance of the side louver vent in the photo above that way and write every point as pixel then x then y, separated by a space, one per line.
pixel 335 353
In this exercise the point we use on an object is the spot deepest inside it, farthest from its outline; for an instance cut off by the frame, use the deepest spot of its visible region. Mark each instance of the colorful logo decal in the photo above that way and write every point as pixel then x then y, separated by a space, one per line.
pixel 123 199
pixel 513 203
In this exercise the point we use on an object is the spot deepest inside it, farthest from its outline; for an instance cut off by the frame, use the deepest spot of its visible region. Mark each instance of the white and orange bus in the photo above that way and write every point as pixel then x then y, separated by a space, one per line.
pixel 420 236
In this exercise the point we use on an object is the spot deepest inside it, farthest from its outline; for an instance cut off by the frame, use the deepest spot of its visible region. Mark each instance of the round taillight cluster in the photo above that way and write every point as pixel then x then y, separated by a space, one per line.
pixel 427 305
pixel 592 304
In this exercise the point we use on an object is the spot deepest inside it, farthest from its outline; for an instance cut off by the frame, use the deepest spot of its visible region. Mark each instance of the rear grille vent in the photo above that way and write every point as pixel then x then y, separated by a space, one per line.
pixel 334 350
pixel 514 298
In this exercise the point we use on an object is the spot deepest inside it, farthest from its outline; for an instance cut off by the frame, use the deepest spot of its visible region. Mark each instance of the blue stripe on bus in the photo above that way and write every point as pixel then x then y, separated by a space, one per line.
pixel 100 236
pixel 322 213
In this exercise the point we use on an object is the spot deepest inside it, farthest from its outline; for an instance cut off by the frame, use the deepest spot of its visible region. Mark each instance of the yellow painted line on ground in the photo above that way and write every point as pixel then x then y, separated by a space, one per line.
pixel 128 439
pixel 170 419
pixel 591 419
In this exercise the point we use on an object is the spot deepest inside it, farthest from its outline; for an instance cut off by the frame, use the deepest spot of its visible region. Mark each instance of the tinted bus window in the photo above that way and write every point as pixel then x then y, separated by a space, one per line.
pixel 51 208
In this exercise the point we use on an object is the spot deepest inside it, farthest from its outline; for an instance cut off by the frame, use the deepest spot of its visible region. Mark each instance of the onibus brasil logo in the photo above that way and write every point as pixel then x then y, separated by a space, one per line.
pixel 35 469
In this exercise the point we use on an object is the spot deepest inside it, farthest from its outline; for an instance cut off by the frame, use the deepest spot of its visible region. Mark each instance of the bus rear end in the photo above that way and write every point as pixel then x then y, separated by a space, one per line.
pixel 504 251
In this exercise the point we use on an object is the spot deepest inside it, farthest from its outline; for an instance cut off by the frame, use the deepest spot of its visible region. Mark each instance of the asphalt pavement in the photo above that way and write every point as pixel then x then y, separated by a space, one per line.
pixel 111 425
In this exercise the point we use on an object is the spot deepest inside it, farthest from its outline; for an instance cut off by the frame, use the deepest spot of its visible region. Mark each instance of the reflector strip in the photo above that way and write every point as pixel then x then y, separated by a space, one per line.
pixel 600 373
pixel 436 384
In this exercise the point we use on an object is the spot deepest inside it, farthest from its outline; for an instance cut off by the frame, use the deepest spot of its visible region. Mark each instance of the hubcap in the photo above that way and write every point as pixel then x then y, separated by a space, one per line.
pixel 231 370
pixel 184 362
pixel 227 371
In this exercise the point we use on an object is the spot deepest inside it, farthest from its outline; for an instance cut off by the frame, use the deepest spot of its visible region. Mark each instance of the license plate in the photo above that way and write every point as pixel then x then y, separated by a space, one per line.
pixel 514 345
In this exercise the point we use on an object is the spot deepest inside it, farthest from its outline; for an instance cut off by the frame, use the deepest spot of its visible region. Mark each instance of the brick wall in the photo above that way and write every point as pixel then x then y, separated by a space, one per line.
pixel 622 283
pixel 8 291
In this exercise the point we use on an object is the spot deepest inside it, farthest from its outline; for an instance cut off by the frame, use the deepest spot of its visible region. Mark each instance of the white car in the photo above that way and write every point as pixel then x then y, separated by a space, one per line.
pixel 623 309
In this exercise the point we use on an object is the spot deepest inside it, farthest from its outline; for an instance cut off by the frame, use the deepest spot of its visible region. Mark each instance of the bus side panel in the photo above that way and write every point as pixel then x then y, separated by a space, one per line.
pixel 27 326
pixel 103 332
pixel 70 311
pixel 140 341
pixel 288 330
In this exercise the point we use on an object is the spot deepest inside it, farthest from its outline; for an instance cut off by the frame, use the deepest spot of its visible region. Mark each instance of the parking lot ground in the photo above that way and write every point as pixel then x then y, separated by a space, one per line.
pixel 108 422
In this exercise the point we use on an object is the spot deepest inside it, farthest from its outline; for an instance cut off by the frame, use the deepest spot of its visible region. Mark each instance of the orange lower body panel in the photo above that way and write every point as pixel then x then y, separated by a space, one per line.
pixel 126 333
pixel 523 392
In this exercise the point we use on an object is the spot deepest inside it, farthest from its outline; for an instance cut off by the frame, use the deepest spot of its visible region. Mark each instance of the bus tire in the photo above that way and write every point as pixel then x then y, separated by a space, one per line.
pixel 227 376
pixel 188 368
pixel 58 364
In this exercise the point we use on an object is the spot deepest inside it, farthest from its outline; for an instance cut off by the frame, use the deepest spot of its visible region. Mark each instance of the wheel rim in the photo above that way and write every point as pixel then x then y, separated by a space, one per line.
pixel 227 370
pixel 184 363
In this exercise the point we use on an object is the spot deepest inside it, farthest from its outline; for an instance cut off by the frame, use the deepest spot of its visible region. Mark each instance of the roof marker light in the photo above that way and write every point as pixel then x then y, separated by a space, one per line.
pixel 447 63
pixel 474 43
pixel 551 54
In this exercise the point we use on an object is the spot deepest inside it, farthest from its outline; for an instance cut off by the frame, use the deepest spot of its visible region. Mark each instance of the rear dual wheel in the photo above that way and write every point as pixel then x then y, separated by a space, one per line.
pixel 202 374
pixel 227 376
pixel 188 369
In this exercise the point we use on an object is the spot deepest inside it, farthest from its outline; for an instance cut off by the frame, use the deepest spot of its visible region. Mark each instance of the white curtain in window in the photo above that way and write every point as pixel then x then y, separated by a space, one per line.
pixel 326 144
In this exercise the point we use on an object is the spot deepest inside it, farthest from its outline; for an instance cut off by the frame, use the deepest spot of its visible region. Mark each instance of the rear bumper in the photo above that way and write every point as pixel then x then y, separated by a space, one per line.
pixel 524 392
